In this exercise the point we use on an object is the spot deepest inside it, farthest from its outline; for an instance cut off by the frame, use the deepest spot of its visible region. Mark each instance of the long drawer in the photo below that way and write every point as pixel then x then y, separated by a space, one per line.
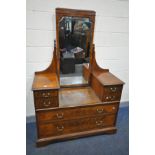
pixel 71 126
pixel 75 112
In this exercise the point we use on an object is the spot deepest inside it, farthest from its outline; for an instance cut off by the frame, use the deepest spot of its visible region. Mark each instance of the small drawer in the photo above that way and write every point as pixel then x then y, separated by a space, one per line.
pixel 42 103
pixel 112 97
pixel 76 112
pixel 113 89
pixel 112 93
pixel 45 93
pixel 71 126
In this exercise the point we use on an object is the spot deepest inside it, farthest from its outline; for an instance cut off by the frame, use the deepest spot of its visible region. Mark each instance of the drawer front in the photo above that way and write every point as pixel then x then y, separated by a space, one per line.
pixel 112 93
pixel 57 128
pixel 97 122
pixel 113 89
pixel 111 97
pixel 76 112
pixel 72 126
pixel 45 93
pixel 42 103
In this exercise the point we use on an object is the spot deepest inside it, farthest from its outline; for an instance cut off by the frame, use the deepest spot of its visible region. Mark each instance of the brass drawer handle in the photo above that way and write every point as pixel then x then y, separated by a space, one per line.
pixel 98 123
pixel 46 104
pixel 110 98
pixel 60 115
pixel 100 111
pixel 113 89
pixel 60 128
pixel 46 94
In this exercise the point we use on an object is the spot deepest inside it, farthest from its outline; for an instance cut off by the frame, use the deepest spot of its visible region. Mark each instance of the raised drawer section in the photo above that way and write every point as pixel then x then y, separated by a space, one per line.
pixel 45 93
pixel 76 112
pixel 46 99
pixel 112 93
pixel 42 103
pixel 65 127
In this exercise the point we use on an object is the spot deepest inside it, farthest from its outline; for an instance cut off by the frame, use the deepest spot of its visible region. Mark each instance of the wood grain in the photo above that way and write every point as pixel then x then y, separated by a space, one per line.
pixel 44 81
pixel 72 126
pixel 75 111
pixel 45 141
pixel 71 113
pixel 77 96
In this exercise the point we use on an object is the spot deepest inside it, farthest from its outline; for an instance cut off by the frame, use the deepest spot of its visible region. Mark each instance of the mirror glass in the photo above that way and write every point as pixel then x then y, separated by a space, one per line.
pixel 74 46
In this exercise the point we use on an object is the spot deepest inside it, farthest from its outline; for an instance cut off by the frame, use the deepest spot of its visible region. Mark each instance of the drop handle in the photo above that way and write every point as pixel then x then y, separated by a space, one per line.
pixel 60 115
pixel 60 128
pixel 113 89
pixel 100 111
pixel 46 94
pixel 46 104
pixel 98 123
pixel 110 98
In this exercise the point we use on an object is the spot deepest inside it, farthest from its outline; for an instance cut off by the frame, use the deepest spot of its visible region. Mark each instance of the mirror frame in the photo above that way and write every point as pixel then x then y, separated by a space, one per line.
pixel 64 12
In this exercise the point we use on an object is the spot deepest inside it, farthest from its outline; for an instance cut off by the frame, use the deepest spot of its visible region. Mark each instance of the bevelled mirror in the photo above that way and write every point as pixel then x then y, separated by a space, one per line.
pixel 74 37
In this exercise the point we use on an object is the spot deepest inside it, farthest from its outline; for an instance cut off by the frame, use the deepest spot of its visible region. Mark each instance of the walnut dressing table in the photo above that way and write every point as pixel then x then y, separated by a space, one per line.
pixel 83 102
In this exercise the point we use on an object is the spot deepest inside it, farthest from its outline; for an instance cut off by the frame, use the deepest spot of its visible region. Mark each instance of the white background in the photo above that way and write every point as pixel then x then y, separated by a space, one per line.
pixel 110 38
pixel 13 71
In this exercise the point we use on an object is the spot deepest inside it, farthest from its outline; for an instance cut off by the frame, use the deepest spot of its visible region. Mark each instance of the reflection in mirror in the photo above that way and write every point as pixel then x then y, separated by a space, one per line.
pixel 74 46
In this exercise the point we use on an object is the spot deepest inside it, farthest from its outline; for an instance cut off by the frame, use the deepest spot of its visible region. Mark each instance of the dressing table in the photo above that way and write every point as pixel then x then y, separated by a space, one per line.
pixel 74 97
